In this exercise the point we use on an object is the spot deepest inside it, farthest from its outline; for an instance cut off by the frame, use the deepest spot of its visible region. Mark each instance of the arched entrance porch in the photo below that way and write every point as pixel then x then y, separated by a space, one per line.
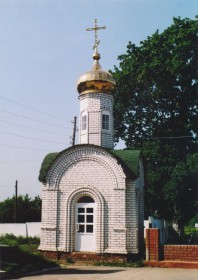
pixel 85 221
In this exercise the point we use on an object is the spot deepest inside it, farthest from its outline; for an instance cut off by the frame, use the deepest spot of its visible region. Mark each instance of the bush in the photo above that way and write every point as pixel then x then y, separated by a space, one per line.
pixel 193 221
pixel 12 240
pixel 22 256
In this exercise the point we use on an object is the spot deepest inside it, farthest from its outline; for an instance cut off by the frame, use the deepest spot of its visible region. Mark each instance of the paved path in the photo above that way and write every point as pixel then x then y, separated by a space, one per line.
pixel 117 273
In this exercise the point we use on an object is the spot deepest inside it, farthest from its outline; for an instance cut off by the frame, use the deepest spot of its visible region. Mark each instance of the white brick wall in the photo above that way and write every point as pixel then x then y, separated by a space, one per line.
pixel 93 171
pixel 94 104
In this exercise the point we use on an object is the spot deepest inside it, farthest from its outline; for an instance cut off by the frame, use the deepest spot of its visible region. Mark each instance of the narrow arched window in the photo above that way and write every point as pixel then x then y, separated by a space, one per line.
pixel 84 121
pixel 105 120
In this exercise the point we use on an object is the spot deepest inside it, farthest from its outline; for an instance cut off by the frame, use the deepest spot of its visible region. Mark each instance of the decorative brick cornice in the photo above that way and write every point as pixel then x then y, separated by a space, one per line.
pixel 81 153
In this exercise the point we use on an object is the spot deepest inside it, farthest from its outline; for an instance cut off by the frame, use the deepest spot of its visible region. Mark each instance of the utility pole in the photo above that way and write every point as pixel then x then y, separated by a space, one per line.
pixel 15 204
pixel 74 132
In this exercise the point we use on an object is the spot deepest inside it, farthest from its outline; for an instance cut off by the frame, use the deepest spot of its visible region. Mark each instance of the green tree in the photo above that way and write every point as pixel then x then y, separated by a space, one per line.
pixel 156 86
pixel 159 161
pixel 181 193
pixel 155 109
pixel 28 209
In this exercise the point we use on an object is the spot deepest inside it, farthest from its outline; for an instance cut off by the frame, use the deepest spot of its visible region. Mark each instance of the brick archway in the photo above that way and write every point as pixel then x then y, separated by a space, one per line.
pixel 70 217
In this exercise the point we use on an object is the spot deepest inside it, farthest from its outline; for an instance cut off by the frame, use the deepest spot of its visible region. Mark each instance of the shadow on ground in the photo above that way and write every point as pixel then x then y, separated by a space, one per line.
pixel 84 271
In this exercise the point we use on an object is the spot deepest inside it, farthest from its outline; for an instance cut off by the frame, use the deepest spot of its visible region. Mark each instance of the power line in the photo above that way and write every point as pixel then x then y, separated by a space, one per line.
pixel 17 161
pixel 36 129
pixel 29 191
pixel 30 138
pixel 21 147
pixel 11 187
pixel 21 188
pixel 33 109
pixel 168 137
pixel 24 117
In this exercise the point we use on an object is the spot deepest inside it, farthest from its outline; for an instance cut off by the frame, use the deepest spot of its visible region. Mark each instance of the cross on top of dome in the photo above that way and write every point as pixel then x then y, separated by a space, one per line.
pixel 96 80
pixel 95 29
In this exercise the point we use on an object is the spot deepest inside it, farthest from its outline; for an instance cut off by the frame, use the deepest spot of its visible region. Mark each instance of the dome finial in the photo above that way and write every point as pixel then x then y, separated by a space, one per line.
pixel 96 55
pixel 96 80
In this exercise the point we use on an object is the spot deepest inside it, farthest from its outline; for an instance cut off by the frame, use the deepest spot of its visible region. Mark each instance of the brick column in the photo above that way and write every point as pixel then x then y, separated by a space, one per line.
pixel 152 244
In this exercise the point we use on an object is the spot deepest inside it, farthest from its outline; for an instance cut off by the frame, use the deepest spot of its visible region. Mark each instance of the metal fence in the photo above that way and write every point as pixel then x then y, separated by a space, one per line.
pixel 189 237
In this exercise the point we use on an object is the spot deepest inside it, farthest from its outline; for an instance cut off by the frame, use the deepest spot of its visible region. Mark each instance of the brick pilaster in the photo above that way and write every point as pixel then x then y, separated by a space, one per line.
pixel 152 244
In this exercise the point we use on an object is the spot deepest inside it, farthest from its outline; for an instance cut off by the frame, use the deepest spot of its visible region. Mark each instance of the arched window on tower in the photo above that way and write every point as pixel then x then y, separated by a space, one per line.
pixel 105 120
pixel 84 121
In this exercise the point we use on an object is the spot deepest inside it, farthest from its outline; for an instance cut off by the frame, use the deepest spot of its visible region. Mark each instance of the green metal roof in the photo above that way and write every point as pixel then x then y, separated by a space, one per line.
pixel 47 162
pixel 128 159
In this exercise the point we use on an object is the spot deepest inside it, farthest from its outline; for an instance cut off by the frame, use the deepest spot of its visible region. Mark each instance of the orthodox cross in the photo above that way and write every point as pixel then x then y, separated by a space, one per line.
pixel 96 28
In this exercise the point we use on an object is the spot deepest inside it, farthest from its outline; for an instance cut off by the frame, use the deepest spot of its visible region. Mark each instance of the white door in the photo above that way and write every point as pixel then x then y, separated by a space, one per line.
pixel 85 228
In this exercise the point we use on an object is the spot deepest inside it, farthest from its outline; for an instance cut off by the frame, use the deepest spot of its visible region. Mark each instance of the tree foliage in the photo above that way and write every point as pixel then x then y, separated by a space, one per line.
pixel 28 209
pixel 156 85
pixel 181 190
pixel 159 160
pixel 155 109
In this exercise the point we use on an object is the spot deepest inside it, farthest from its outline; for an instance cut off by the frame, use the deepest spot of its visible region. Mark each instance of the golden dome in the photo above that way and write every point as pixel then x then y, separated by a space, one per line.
pixel 96 80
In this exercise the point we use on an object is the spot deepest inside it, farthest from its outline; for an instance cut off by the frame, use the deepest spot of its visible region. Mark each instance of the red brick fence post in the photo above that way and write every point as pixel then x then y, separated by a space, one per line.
pixel 152 244
pixel 180 256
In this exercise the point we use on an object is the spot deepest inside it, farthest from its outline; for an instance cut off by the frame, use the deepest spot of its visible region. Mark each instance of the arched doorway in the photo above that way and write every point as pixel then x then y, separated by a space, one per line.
pixel 85 237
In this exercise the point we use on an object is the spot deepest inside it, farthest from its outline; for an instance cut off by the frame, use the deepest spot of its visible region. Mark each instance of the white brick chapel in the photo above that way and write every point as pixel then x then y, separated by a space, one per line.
pixel 92 195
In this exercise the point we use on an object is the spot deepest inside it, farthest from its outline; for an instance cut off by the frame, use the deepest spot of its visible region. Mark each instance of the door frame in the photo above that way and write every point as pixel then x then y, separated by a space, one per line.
pixel 70 220
pixel 85 221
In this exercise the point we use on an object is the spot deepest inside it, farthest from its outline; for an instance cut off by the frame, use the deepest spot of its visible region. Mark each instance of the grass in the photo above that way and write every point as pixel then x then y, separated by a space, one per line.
pixel 131 264
pixel 190 230
pixel 191 235
pixel 21 256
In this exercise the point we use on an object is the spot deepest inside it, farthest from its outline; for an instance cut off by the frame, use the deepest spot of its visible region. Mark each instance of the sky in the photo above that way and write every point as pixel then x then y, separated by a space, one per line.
pixel 44 49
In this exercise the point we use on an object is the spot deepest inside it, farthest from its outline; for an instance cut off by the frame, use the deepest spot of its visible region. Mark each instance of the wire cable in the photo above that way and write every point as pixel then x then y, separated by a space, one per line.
pixel 30 138
pixel 36 129
pixel 168 137
pixel 33 109
pixel 24 117
pixel 36 194
pixel 21 147
pixel 17 161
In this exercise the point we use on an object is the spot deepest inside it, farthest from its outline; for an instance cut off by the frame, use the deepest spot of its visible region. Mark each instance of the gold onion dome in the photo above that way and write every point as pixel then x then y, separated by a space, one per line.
pixel 96 80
